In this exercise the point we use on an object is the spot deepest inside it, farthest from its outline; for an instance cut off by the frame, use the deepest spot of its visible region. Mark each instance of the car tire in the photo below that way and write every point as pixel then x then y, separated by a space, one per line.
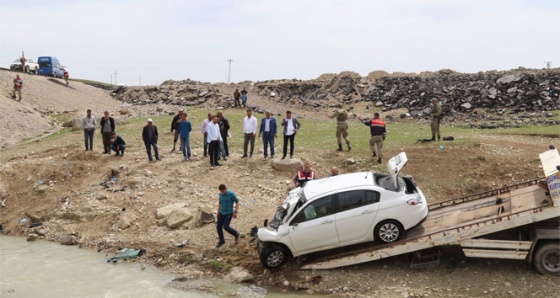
pixel 388 231
pixel 547 259
pixel 273 256
pixel 37 70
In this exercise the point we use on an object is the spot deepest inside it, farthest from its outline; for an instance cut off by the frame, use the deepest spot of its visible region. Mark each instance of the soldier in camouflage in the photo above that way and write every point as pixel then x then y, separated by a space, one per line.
pixel 341 127
pixel 436 118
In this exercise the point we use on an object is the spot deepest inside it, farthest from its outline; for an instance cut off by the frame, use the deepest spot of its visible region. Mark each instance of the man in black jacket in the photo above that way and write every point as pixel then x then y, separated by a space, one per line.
pixel 174 125
pixel 118 144
pixel 224 128
pixel 107 129
pixel 150 137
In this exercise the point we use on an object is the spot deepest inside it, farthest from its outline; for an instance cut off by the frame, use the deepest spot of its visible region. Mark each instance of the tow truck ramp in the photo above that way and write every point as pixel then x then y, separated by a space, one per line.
pixel 464 220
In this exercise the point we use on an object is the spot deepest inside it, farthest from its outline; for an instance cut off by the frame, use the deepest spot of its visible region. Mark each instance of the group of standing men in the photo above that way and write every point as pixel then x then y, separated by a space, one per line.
pixel 111 141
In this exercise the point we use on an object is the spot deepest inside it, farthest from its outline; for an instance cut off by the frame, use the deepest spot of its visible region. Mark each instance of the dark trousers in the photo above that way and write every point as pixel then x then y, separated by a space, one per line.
pixel 214 151
pixel 224 140
pixel 291 139
pixel 205 146
pixel 268 138
pixel 107 142
pixel 120 150
pixel 149 144
pixel 88 137
pixel 223 224
pixel 249 137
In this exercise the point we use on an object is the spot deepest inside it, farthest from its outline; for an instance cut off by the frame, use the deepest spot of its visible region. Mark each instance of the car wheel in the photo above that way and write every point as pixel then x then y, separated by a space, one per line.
pixel 273 256
pixel 388 231
pixel 547 259
pixel 36 70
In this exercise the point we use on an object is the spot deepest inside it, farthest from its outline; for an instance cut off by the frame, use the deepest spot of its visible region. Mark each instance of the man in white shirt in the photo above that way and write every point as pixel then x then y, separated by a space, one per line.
pixel 88 124
pixel 213 137
pixel 291 126
pixel 203 130
pixel 249 132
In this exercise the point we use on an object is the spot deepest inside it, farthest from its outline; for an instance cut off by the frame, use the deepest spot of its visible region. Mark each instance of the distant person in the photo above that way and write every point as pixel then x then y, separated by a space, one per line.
pixel 184 127
pixel 22 60
pixel 334 171
pixel 268 130
pixel 88 124
pixel 174 125
pixel 226 212
pixel 291 126
pixel 249 132
pixel 66 76
pixel 341 127
pixel 244 97
pixel 204 131
pixel 223 122
pixel 117 144
pixel 436 118
pixel 236 96
pixel 378 134
pixel 304 175
pixel 107 125
pixel 150 137
pixel 214 138
pixel 18 84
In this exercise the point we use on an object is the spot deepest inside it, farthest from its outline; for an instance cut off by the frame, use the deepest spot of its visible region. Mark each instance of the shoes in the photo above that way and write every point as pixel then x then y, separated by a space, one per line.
pixel 173 150
pixel 117 154
pixel 379 160
pixel 433 138
pixel 158 159
pixel 218 165
pixel 237 239
pixel 339 148
pixel 283 157
pixel 349 148
pixel 374 154
pixel 244 156
pixel 225 158
pixel 220 244
pixel 291 156
pixel 438 138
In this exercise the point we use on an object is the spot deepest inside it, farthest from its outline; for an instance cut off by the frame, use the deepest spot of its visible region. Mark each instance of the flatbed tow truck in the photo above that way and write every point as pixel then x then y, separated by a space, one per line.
pixel 520 222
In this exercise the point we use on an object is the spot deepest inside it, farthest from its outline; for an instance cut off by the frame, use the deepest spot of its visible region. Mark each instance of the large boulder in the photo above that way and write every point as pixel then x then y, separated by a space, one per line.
pixel 178 217
pixel 287 165
pixel 166 210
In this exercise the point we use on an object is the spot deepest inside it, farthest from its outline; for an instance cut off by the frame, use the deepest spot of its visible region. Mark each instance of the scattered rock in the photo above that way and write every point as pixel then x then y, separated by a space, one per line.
pixel 32 237
pixel 177 217
pixel 68 240
pixel 164 211
pixel 287 165
pixel 239 275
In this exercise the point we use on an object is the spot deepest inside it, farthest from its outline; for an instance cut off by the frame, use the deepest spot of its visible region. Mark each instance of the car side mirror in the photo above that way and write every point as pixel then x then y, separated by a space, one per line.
pixel 266 222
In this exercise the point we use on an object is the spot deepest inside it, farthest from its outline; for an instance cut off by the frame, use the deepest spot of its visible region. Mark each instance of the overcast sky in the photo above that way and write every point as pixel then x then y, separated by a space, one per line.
pixel 275 39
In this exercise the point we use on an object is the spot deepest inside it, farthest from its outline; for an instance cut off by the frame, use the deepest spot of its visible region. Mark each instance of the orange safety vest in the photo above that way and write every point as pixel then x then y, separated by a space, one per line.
pixel 305 177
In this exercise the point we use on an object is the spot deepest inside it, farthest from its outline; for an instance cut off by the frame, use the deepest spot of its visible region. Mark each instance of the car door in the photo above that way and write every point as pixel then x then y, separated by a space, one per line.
pixel 356 211
pixel 312 228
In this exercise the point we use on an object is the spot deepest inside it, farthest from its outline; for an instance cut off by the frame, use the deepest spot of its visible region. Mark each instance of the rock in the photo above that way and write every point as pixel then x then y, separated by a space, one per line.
pixel 350 161
pixel 33 217
pixel 164 211
pixel 102 196
pixel 41 188
pixel 206 218
pixel 466 106
pixel 239 275
pixel 287 165
pixel 123 222
pixel 177 217
pixel 68 240
pixel 379 103
pixel 32 237
pixel 507 79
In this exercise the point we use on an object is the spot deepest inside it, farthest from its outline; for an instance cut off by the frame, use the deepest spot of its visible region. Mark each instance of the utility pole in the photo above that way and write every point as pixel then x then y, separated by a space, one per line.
pixel 111 80
pixel 229 70
pixel 140 80
pixel 116 82
pixel 548 64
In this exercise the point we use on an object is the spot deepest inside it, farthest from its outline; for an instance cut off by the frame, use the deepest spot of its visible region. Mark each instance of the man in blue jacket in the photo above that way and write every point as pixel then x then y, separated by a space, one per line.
pixel 268 131
pixel 117 144
pixel 184 126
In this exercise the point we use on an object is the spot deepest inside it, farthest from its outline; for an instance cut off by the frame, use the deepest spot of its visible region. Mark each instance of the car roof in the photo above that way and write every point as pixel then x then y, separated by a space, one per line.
pixel 317 187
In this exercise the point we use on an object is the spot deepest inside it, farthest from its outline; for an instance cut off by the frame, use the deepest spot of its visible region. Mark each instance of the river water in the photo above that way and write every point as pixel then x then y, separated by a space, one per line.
pixel 47 269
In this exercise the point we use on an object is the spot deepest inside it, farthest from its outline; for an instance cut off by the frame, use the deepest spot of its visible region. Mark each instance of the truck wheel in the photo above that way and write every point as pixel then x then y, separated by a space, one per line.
pixel 388 231
pixel 273 256
pixel 37 70
pixel 547 259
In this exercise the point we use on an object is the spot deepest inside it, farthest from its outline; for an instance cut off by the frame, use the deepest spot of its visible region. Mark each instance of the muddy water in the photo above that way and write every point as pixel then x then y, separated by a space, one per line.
pixel 46 269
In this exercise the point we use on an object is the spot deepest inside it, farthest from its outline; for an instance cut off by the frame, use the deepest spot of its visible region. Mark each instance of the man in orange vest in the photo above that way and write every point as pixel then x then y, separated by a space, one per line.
pixel 304 175
pixel 378 135
pixel 18 83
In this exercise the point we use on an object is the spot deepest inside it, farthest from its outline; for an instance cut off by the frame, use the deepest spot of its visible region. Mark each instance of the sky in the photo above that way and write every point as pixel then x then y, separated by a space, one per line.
pixel 145 42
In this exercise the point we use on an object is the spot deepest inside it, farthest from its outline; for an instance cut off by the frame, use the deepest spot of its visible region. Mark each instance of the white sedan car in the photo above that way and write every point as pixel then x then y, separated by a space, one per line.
pixel 343 210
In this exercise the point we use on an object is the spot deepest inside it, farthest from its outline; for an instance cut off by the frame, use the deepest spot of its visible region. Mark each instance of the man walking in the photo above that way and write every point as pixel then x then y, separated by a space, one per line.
pixel 88 124
pixel 341 127
pixel 436 118
pixel 18 84
pixel 249 132
pixel 174 123
pixel 291 126
pixel 150 137
pixel 184 127
pixel 214 138
pixel 118 144
pixel 304 175
pixel 378 135
pixel 244 97
pixel 268 130
pixel 204 131
pixel 226 212
pixel 224 130
pixel 107 125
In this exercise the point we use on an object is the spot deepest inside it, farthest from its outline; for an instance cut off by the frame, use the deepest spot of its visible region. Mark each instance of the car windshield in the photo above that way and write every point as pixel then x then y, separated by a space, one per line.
pixel 16 61
pixel 279 216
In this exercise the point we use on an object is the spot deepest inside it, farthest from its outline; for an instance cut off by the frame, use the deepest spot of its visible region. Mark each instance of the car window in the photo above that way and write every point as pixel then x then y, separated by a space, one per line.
pixel 357 198
pixel 316 209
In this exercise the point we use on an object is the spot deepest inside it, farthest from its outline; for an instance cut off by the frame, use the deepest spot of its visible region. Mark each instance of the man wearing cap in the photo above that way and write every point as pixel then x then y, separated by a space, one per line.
pixel 150 136
pixel 436 118
pixel 291 126
pixel 341 127
pixel 174 127
pixel 268 130
pixel 249 132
